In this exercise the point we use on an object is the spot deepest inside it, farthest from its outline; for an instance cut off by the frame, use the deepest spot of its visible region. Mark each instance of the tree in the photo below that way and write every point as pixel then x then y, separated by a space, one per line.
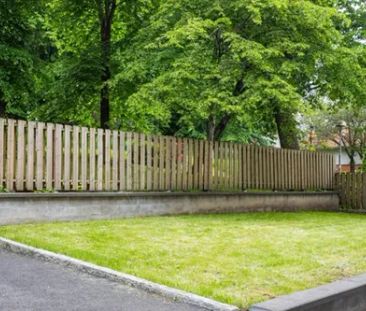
pixel 352 138
pixel 86 35
pixel 211 63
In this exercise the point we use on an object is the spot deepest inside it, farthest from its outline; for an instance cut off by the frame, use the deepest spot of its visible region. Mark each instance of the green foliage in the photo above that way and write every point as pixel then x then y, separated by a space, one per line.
pixel 233 70
pixel 209 61
pixel 3 189
pixel 19 40
pixel 71 92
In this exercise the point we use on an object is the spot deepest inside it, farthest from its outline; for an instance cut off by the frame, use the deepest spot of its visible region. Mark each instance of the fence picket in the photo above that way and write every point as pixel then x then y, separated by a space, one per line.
pixel 30 157
pixel 107 160
pixel 129 161
pixel 156 163
pixel 122 161
pixel 174 164
pixel 142 162
pixel 190 164
pixel 168 163
pixel 10 149
pixel 49 156
pixel 184 163
pixel 115 158
pixel 75 157
pixel 58 157
pixel 67 157
pixel 100 159
pixel 161 163
pixel 84 161
pixel 39 156
pixel 148 163
pixel 92 159
pixel 20 156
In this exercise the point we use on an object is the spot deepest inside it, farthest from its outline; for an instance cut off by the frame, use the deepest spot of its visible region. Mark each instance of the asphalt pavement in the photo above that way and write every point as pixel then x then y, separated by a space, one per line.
pixel 28 283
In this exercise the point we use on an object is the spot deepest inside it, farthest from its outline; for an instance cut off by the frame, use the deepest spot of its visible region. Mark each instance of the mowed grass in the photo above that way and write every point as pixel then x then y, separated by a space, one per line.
pixel 238 259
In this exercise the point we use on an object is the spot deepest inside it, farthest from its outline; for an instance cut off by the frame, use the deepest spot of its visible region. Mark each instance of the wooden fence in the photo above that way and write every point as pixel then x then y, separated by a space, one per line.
pixel 39 156
pixel 352 190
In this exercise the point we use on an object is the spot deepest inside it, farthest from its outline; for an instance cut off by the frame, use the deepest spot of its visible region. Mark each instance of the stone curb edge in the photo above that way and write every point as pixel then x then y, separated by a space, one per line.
pixel 98 271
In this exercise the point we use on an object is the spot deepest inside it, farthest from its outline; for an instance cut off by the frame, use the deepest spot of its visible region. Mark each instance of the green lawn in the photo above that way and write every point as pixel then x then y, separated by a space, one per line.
pixel 239 258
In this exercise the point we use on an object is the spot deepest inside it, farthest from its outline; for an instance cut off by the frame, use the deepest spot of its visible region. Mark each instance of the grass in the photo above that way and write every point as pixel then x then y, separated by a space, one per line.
pixel 238 259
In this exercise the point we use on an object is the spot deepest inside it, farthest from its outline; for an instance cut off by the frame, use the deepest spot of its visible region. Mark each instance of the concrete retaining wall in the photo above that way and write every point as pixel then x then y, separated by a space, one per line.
pixel 33 207
pixel 345 295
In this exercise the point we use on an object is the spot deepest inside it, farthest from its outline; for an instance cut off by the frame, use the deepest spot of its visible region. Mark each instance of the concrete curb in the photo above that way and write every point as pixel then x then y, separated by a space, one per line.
pixel 98 271
pixel 346 295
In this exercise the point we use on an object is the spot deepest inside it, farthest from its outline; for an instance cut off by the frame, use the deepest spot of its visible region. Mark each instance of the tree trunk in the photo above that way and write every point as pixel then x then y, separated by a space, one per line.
pixel 286 128
pixel 220 128
pixel 352 164
pixel 104 100
pixel 211 128
pixel 105 17
pixel 2 108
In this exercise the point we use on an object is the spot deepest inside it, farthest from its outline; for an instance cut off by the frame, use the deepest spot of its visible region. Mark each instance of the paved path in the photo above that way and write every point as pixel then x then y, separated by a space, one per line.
pixel 30 284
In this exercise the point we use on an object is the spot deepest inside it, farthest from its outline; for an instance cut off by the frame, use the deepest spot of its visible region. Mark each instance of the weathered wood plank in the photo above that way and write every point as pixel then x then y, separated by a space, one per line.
pixel 174 164
pixel 10 155
pixel 168 163
pixel 129 183
pixel 196 167
pixel 216 167
pixel 142 162
pixel 190 164
pixel 107 160
pixel 75 157
pixel 149 164
pixel 58 157
pixel 227 166
pixel 156 163
pixel 49 156
pixel 115 160
pixel 136 140
pixel 67 158
pixel 100 160
pixel 161 163
pixel 92 156
pixel 179 164
pixel 30 156
pixel 245 167
pixel 39 156
pixel 20 155
pixel 206 169
pixel 122 161
pixel 84 160
pixel 266 168
pixel 184 164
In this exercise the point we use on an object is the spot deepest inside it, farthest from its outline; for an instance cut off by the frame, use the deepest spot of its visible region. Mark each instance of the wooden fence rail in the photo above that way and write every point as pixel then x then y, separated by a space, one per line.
pixel 40 156
pixel 352 190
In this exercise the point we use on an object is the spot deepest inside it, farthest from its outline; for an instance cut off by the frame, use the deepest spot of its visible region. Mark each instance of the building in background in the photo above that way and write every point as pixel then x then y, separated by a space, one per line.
pixel 343 161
